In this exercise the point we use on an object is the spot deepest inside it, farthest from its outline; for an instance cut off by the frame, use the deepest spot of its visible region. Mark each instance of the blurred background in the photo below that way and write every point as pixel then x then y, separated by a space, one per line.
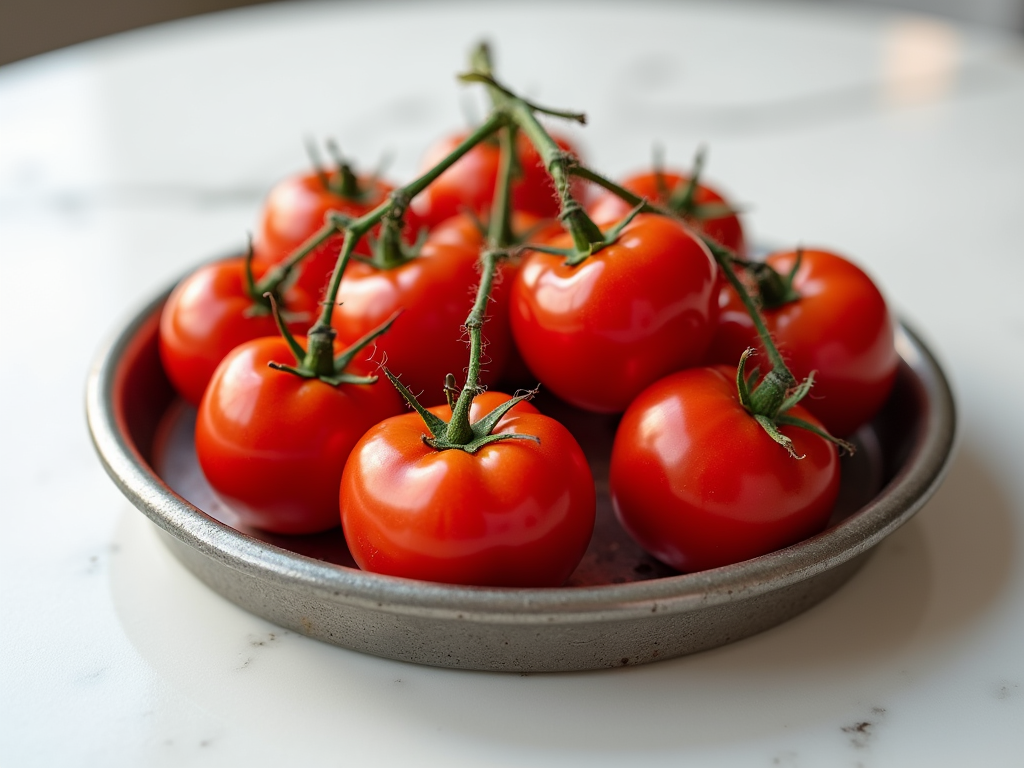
pixel 30 27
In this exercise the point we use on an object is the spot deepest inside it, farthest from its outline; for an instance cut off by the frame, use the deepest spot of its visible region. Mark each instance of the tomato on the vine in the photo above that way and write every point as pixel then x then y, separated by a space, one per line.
pixel 659 188
pixel 516 513
pixel 434 291
pixel 295 210
pixel 273 444
pixel 839 328
pixel 698 483
pixel 598 332
pixel 209 313
pixel 471 181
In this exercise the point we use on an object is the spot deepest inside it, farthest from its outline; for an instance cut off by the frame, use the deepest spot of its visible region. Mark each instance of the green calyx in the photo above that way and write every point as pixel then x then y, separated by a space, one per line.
pixel 682 200
pixel 779 390
pixel 389 249
pixel 318 360
pixel 769 401
pixel 575 256
pixel 458 433
pixel 340 180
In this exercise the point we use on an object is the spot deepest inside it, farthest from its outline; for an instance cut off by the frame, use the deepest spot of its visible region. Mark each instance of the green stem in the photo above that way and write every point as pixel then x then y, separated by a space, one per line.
pixel 585 233
pixel 500 233
pixel 768 397
pixel 319 359
pixel 271 281
pixel 459 431
pixel 618 190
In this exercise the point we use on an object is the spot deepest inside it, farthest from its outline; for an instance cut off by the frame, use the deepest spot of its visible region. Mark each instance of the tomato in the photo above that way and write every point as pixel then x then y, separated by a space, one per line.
pixel 208 314
pixel 514 514
pixel 294 211
pixel 465 229
pixel 273 444
pixel 840 328
pixel 727 230
pixel 597 333
pixel 470 182
pixel 435 292
pixel 699 484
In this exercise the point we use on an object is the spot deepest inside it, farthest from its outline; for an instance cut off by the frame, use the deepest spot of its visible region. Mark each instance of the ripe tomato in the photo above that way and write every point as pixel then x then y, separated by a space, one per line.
pixel 698 483
pixel 514 514
pixel 295 209
pixel 273 444
pixel 839 328
pixel 597 333
pixel 470 182
pixel 464 229
pixel 435 292
pixel 208 314
pixel 727 230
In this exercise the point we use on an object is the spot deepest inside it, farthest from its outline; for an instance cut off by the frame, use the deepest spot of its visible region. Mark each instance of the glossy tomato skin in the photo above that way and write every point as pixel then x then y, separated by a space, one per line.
pixel 514 514
pixel 840 328
pixel 295 209
pixel 598 333
pixel 435 293
pixel 727 230
pixel 470 182
pixel 208 314
pixel 273 445
pixel 697 482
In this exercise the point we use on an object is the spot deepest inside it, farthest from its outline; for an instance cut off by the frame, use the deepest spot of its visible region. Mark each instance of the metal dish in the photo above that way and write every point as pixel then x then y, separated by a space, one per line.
pixel 621 607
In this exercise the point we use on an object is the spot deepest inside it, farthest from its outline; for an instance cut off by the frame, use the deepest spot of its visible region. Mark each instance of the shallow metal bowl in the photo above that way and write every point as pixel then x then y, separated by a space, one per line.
pixel 620 607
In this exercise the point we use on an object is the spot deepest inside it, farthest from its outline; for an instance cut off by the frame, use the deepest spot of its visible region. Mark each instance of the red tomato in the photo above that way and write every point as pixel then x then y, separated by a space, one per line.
pixel 273 444
pixel 698 483
pixel 727 230
pixel 514 514
pixel 426 342
pixel 597 333
pixel 840 328
pixel 470 182
pixel 208 314
pixel 464 229
pixel 295 209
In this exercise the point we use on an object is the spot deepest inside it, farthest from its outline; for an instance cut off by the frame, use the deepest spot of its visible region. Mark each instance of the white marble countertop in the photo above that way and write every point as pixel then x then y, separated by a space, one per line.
pixel 899 140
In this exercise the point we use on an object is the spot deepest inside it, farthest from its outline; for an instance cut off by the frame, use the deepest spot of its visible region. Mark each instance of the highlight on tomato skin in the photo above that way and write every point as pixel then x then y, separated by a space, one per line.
pixel 596 334
pixel 514 514
pixel 840 328
pixel 273 444
pixel 698 483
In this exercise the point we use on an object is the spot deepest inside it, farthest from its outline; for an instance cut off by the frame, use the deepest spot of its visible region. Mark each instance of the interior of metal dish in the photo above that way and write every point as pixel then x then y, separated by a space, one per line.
pixel 143 437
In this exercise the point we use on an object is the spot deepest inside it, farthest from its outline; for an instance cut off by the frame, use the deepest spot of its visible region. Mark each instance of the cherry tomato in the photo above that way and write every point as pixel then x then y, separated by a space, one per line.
pixel 727 230
pixel 470 182
pixel 514 514
pixel 273 444
pixel 465 230
pixel 208 314
pixel 699 484
pixel 295 209
pixel 597 333
pixel 435 292
pixel 839 328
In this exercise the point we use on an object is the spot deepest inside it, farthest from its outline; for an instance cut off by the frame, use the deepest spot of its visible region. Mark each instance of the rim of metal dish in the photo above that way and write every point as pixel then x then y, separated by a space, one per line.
pixel 898 502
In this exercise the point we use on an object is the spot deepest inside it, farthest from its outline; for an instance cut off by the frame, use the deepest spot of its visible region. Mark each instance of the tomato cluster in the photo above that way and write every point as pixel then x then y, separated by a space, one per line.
pixel 735 378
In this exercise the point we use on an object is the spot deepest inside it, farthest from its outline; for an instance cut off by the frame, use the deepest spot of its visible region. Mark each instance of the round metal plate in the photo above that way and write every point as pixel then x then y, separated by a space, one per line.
pixel 620 607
